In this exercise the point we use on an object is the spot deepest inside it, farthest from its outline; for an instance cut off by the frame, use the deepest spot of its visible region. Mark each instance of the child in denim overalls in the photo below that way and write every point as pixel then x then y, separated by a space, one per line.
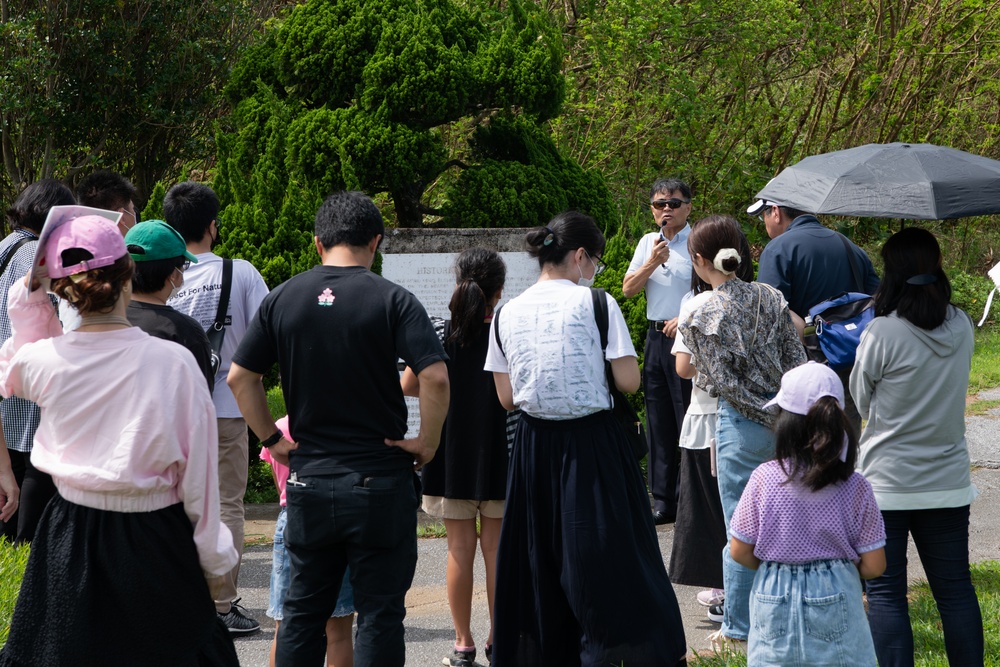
pixel 811 528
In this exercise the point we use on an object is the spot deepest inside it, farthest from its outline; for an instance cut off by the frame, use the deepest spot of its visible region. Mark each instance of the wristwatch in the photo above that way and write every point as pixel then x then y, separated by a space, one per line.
pixel 273 440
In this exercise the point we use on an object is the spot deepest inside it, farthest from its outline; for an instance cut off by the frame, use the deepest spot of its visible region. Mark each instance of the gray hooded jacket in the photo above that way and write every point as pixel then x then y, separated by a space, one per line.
pixel 911 384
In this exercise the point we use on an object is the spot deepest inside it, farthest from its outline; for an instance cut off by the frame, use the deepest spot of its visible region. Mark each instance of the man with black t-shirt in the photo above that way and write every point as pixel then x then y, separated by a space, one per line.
pixel 336 333
pixel 161 257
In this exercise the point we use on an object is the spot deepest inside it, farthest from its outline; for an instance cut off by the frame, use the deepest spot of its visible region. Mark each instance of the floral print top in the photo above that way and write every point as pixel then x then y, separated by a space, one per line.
pixel 742 342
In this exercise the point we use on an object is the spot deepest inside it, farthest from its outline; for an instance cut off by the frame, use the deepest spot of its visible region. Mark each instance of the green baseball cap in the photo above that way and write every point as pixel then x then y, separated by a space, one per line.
pixel 154 239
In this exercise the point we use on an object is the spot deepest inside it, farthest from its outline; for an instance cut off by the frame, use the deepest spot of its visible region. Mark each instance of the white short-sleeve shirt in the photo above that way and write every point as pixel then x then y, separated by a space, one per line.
pixel 552 350
pixel 668 284
pixel 701 402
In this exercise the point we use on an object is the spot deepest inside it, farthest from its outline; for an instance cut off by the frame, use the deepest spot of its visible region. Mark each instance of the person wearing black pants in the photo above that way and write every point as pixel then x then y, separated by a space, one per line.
pixel 661 266
pixel 37 490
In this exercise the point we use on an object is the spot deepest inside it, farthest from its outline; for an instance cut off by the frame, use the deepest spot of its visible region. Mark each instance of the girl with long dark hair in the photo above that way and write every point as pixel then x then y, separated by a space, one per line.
pixel 467 478
pixel 910 381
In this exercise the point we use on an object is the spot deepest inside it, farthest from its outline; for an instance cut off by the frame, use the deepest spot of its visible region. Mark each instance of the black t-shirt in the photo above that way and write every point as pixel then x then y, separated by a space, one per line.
pixel 336 334
pixel 166 323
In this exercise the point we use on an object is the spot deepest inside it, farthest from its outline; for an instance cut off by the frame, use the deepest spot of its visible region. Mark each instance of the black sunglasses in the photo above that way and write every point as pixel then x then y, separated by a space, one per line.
pixel 660 204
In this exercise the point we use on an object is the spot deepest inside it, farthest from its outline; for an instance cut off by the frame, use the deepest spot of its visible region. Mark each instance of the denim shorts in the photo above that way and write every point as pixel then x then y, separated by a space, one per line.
pixel 281 576
pixel 809 615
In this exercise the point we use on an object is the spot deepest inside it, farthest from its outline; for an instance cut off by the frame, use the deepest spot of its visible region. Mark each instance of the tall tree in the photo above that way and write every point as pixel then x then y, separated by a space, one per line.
pixel 131 85
pixel 434 108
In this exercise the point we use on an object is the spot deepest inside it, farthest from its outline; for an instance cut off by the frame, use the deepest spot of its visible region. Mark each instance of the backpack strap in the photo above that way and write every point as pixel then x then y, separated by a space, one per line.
pixel 600 315
pixel 13 251
pixel 227 288
pixel 496 328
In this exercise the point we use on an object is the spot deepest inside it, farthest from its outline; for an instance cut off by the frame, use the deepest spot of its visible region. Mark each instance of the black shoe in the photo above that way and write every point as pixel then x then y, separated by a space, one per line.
pixel 661 518
pixel 715 613
pixel 461 658
pixel 489 653
pixel 237 621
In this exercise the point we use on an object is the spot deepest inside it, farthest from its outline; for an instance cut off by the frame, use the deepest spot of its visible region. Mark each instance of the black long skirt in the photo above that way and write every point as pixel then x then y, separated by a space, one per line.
pixel 115 588
pixel 700 530
pixel 580 578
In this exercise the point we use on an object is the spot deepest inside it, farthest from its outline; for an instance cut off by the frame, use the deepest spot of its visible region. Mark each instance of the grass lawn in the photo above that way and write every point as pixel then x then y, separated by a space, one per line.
pixel 985 360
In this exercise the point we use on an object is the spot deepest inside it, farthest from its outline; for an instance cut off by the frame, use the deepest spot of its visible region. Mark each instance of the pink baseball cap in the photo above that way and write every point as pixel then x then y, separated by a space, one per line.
pixel 93 234
pixel 802 386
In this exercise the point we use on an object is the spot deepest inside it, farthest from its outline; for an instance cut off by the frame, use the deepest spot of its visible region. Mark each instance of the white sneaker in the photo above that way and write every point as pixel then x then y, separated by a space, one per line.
pixel 711 597
pixel 724 645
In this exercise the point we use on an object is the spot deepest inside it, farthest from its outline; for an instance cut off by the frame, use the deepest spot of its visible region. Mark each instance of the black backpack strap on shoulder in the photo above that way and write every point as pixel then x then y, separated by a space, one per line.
pixel 600 314
pixel 13 251
pixel 850 260
pixel 496 328
pixel 227 288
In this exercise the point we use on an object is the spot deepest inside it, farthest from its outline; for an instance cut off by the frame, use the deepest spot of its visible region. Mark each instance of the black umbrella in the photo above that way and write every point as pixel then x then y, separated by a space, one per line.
pixel 910 181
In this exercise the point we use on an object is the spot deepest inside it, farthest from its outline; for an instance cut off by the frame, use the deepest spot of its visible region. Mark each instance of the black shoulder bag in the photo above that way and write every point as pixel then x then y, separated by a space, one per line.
pixel 217 332
pixel 622 410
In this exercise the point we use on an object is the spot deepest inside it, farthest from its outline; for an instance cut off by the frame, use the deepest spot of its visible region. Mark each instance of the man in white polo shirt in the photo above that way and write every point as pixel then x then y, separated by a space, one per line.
pixel 662 267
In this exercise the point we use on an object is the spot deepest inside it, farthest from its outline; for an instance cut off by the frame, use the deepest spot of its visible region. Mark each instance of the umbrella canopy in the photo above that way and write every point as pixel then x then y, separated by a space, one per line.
pixel 911 181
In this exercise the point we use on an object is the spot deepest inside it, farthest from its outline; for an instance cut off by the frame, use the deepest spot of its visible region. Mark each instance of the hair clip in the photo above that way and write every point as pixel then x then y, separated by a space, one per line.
pixel 922 279
pixel 77 277
pixel 550 238
pixel 723 255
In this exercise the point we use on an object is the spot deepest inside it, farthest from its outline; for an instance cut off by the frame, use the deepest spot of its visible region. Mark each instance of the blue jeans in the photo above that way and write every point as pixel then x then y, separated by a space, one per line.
pixel 809 615
pixel 741 445
pixel 281 577
pixel 942 540
pixel 370 523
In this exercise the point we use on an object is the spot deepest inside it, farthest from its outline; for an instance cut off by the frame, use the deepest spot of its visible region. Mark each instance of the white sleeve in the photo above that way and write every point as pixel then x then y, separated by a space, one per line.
pixel 619 338
pixel 495 359
pixel 642 252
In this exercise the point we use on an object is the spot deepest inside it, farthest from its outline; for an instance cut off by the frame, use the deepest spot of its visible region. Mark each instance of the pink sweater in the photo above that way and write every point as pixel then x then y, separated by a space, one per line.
pixel 127 423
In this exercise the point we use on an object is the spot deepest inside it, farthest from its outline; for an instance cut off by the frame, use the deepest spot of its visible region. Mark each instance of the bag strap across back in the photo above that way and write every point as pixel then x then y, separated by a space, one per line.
pixel 227 288
pixel 13 251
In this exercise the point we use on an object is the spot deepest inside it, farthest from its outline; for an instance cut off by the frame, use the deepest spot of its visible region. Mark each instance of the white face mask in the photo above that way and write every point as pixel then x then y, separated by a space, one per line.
pixel 587 282
pixel 176 288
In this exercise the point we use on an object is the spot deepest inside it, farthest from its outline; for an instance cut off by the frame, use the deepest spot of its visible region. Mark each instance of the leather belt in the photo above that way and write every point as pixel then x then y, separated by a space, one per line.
pixel 657 324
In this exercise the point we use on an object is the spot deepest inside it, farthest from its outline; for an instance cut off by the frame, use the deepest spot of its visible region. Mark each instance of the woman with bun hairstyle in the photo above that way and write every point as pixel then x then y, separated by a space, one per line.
pixel 128 435
pixel 742 341
pixel 580 578
pixel 910 381
pixel 467 478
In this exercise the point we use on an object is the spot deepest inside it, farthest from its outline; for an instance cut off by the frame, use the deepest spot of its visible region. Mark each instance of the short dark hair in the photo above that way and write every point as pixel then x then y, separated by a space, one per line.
pixel 105 189
pixel 908 253
pixel 32 206
pixel 564 234
pixel 348 218
pixel 808 446
pixel 190 208
pixel 792 213
pixel 670 185
pixel 151 276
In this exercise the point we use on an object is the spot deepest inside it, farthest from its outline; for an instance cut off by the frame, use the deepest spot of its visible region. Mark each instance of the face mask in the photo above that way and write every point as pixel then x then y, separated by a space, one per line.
pixel 587 282
pixel 176 288
pixel 217 240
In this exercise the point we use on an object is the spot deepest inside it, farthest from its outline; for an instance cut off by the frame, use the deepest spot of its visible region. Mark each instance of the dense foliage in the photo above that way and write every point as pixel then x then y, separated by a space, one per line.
pixel 437 108
pixel 131 85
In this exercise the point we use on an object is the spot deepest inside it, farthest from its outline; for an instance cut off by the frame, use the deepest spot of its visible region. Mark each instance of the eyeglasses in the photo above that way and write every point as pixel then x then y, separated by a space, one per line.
pixel 660 204
pixel 598 264
pixel 184 266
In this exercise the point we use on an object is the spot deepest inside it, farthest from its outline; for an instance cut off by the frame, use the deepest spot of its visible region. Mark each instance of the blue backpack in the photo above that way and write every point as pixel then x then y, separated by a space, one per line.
pixel 833 328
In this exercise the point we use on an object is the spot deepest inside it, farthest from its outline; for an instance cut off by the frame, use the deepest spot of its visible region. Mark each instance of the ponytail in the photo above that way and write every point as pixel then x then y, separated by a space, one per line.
pixel 480 274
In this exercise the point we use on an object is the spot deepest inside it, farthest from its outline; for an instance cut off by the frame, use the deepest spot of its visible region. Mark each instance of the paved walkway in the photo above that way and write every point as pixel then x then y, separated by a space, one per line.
pixel 429 633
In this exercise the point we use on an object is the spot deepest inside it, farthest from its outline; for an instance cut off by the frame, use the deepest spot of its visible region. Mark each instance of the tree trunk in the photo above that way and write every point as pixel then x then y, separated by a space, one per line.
pixel 407 203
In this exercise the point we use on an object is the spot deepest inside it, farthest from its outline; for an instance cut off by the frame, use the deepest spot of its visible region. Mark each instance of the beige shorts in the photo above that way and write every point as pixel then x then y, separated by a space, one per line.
pixel 449 508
